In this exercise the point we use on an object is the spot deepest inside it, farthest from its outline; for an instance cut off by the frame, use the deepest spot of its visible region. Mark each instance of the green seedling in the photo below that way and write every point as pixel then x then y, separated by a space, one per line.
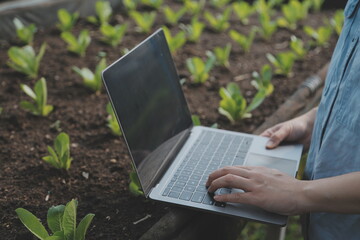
pixel 315 4
pixel 200 69
pixel 135 185
pixel 24 33
pixel 220 22
pixel 298 47
pixel 112 122
pixel 219 3
pixel 77 45
pixel 194 30
pixel 39 96
pixel 243 11
pixel 103 13
pixel 292 13
pixel 275 3
pixel 113 35
pixel 144 21
pixel 283 62
pixel 59 156
pixel 320 36
pixel 222 55
pixel 263 6
pixel 92 80
pixel 262 80
pixel 244 41
pixel 196 121
pixel 156 4
pixel 172 17
pixel 61 221
pixel 194 7
pixel 174 42
pixel 66 20
pixel 233 105
pixel 337 21
pixel 268 27
pixel 24 59
pixel 130 5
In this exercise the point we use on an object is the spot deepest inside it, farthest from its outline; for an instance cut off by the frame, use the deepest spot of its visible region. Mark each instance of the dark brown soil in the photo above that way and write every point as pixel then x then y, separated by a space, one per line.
pixel 25 180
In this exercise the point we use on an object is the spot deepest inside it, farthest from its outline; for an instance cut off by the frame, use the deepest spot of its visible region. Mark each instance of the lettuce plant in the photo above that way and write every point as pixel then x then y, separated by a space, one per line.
pixel 275 3
pixel 220 22
pixel 262 80
pixel 200 69
pixel 24 59
pixel 244 41
pixel 174 42
pixel 263 6
pixel 234 106
pixel 130 5
pixel 59 156
pixel 315 4
pixel 297 45
pixel 243 11
pixel 337 21
pixel 103 13
pixel 66 19
pixel 219 3
pixel 144 21
pixel 61 221
pixel 112 35
pixel 172 17
pixel 77 45
pixel 283 62
pixel 134 185
pixel 112 122
pixel 268 27
pixel 222 55
pixel 194 30
pixel 156 4
pixel 194 7
pixel 39 96
pixel 92 80
pixel 320 36
pixel 292 13
pixel 24 33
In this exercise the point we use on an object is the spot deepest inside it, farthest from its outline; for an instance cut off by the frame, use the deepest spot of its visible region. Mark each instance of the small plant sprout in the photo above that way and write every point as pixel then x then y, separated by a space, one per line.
pixel 39 96
pixel 263 6
pixel 275 3
pixel 220 22
pixel 283 62
pixel 24 59
pixel 219 3
pixel 66 20
pixel 59 155
pixel 233 105
pixel 24 33
pixel 337 21
pixel 172 17
pixel 156 4
pixel 243 11
pixel 103 12
pixel 112 121
pixel 113 35
pixel 78 45
pixel 196 120
pixel 144 21
pixel 262 80
pixel 194 7
pixel 61 221
pixel 199 69
pixel 268 27
pixel 245 42
pixel 130 5
pixel 174 42
pixel 135 185
pixel 92 80
pixel 297 45
pixel 194 30
pixel 222 55
pixel 320 36
pixel 315 4
pixel 292 13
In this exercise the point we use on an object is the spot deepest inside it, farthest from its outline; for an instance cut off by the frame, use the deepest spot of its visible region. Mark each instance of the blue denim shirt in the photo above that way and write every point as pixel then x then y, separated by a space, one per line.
pixel 335 144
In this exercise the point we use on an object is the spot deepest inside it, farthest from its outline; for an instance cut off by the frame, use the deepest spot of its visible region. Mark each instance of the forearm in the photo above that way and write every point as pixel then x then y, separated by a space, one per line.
pixel 338 194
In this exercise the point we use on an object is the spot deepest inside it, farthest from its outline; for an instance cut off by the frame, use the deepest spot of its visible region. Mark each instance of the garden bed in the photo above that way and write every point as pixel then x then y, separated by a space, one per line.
pixel 27 181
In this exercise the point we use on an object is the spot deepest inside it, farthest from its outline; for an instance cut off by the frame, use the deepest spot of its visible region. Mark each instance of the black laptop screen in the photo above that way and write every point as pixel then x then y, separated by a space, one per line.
pixel 145 91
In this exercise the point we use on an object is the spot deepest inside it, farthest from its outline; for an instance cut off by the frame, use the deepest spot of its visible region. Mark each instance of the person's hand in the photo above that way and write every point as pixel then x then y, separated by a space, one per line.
pixel 266 188
pixel 296 130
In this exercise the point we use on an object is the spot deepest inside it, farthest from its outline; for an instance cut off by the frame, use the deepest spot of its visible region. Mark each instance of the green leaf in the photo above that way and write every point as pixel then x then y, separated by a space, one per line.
pixel 83 226
pixel 196 120
pixel 28 91
pixel 32 223
pixel 69 220
pixel 54 218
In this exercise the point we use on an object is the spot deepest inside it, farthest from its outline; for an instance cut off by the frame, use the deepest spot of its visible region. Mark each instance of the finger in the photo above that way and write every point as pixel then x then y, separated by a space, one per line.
pixel 238 197
pixel 236 170
pixel 270 131
pixel 277 137
pixel 230 181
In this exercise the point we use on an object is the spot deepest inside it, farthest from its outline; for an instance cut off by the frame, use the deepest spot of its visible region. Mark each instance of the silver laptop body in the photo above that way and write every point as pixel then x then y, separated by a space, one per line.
pixel 171 156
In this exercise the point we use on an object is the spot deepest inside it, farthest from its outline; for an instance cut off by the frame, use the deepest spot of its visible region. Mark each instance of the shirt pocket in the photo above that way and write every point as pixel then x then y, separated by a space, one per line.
pixel 350 8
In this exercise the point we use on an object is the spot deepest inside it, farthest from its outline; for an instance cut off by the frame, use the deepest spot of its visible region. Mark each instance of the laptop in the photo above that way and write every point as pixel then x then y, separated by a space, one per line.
pixel 172 157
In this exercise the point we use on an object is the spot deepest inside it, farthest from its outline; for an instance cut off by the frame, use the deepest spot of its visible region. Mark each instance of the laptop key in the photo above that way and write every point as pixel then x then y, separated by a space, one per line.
pixel 208 200
pixel 198 197
pixel 177 189
pixel 166 191
pixel 174 194
pixel 189 188
pixel 186 196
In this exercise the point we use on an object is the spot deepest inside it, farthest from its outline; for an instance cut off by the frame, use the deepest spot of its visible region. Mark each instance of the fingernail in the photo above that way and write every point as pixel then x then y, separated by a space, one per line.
pixel 270 144
pixel 216 197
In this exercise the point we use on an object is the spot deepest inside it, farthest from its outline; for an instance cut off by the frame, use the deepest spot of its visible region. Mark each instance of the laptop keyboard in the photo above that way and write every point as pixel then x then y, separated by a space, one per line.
pixel 211 151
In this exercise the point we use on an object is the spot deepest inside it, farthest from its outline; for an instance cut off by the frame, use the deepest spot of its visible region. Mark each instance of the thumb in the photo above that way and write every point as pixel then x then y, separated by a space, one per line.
pixel 277 137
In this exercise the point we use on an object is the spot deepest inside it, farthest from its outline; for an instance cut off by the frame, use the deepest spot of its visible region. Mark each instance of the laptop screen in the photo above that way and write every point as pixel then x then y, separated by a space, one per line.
pixel 144 89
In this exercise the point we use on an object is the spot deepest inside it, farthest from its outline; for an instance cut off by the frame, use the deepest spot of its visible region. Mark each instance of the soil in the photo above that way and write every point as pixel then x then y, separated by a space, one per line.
pixel 27 181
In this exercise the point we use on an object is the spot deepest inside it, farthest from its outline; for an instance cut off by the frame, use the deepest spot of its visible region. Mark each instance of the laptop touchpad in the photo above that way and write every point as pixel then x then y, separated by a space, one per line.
pixel 284 165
